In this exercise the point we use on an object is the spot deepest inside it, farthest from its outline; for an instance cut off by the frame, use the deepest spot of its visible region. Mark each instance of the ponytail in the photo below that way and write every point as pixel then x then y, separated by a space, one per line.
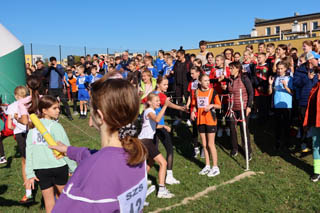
pixel 136 150
pixel 33 83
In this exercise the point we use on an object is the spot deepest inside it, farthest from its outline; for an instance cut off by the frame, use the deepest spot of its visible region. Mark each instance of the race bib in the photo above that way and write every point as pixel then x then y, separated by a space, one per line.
pixel 202 102
pixel 133 199
pixel 168 71
pixel 219 73
pixel 194 85
pixel 37 138
pixel 82 80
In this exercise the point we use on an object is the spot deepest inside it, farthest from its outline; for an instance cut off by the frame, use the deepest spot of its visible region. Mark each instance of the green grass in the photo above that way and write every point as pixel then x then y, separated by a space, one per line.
pixel 284 186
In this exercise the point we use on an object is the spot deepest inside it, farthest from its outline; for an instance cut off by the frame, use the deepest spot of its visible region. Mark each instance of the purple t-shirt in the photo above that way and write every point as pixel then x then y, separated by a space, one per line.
pixel 99 177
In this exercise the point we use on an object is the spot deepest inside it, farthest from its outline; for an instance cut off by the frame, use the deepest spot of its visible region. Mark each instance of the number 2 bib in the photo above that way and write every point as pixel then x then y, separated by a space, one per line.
pixel 203 101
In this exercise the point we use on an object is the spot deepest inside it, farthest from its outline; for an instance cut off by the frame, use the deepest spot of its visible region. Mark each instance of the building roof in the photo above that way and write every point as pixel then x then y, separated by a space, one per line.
pixel 262 22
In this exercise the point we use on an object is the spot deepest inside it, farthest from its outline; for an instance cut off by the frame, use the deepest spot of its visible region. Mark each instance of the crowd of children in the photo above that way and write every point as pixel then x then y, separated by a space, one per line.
pixel 215 92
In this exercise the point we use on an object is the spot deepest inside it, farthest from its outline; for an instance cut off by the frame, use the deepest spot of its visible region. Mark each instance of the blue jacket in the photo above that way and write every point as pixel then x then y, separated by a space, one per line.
pixel 303 84
pixel 55 76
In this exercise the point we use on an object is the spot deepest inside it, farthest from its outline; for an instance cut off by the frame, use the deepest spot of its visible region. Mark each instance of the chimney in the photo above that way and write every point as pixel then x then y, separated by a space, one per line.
pixel 296 14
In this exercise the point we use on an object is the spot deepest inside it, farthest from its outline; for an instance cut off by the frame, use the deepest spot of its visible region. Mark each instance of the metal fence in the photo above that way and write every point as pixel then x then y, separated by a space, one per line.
pixel 37 51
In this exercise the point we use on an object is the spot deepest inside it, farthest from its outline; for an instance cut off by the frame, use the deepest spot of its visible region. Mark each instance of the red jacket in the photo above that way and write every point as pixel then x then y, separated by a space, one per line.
pixel 312 117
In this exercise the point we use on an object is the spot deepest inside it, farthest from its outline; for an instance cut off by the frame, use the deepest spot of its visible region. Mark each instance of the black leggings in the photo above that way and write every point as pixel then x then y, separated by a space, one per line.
pixel 165 138
pixel 1 147
pixel 282 127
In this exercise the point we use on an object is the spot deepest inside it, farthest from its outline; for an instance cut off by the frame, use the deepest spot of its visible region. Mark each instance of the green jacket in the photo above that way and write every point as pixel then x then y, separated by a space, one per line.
pixel 39 156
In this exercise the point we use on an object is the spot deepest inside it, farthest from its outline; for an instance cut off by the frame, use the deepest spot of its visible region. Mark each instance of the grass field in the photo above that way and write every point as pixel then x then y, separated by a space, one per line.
pixel 281 183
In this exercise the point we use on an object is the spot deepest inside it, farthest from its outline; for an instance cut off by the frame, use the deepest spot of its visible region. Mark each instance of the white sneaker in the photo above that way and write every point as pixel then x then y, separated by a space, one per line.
pixel 171 180
pixel 196 152
pixel 146 203
pixel 150 190
pixel 214 172
pixel 189 123
pixel 227 131
pixel 176 122
pixel 165 194
pixel 220 132
pixel 149 182
pixel 205 170
pixel 75 113
pixel 3 160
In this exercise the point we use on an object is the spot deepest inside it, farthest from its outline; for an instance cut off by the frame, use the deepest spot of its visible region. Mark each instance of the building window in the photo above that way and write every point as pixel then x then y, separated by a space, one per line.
pixel 277 30
pixel 305 27
pixel 268 31
pixel 315 25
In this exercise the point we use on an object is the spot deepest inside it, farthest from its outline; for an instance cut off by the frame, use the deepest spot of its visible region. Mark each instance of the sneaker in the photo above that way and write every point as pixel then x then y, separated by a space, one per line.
pixel 304 147
pixel 202 154
pixel 189 123
pixel 176 122
pixel 196 152
pixel 171 180
pixel 250 157
pixel 227 131
pixel 3 160
pixel 26 200
pixel 165 193
pixel 234 153
pixel 205 170
pixel 70 118
pixel 315 177
pixel 213 172
pixel 150 190
pixel 75 113
pixel 220 132
pixel 146 203
pixel 149 182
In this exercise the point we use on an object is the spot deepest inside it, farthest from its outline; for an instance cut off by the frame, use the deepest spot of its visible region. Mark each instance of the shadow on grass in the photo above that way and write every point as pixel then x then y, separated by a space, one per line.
pixel 264 138
pixel 183 144
pixel 3 189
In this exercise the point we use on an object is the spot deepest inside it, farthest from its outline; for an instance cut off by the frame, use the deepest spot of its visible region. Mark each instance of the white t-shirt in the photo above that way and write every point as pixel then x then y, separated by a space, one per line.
pixel 13 109
pixel 149 126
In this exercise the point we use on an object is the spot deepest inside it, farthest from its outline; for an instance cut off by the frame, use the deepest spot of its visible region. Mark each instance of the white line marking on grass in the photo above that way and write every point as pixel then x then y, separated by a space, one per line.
pixel 187 200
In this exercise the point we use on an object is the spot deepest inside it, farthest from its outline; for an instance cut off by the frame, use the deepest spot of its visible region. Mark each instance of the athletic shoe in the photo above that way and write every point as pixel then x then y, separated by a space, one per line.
pixel 220 132
pixel 171 180
pixel 202 154
pixel 189 123
pixel 75 113
pixel 176 122
pixel 70 118
pixel 165 193
pixel 3 160
pixel 196 152
pixel 26 200
pixel 150 190
pixel 234 153
pixel 227 131
pixel 250 157
pixel 304 148
pixel 214 172
pixel 149 182
pixel 146 203
pixel 315 177
pixel 205 170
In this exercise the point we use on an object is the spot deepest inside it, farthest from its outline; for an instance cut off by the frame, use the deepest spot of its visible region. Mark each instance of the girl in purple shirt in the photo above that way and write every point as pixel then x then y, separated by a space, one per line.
pixel 114 178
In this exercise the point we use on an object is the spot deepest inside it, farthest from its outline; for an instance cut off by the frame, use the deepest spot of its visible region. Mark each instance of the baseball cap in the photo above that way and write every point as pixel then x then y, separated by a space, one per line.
pixel 312 55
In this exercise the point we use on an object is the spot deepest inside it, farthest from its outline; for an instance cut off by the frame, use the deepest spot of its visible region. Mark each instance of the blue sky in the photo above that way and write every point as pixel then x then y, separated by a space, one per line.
pixel 138 25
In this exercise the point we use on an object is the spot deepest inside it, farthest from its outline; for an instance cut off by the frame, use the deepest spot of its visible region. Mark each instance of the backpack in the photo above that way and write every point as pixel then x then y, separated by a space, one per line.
pixel 5 131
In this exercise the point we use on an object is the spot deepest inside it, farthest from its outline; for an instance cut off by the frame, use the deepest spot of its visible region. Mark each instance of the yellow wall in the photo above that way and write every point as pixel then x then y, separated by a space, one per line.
pixel 240 48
